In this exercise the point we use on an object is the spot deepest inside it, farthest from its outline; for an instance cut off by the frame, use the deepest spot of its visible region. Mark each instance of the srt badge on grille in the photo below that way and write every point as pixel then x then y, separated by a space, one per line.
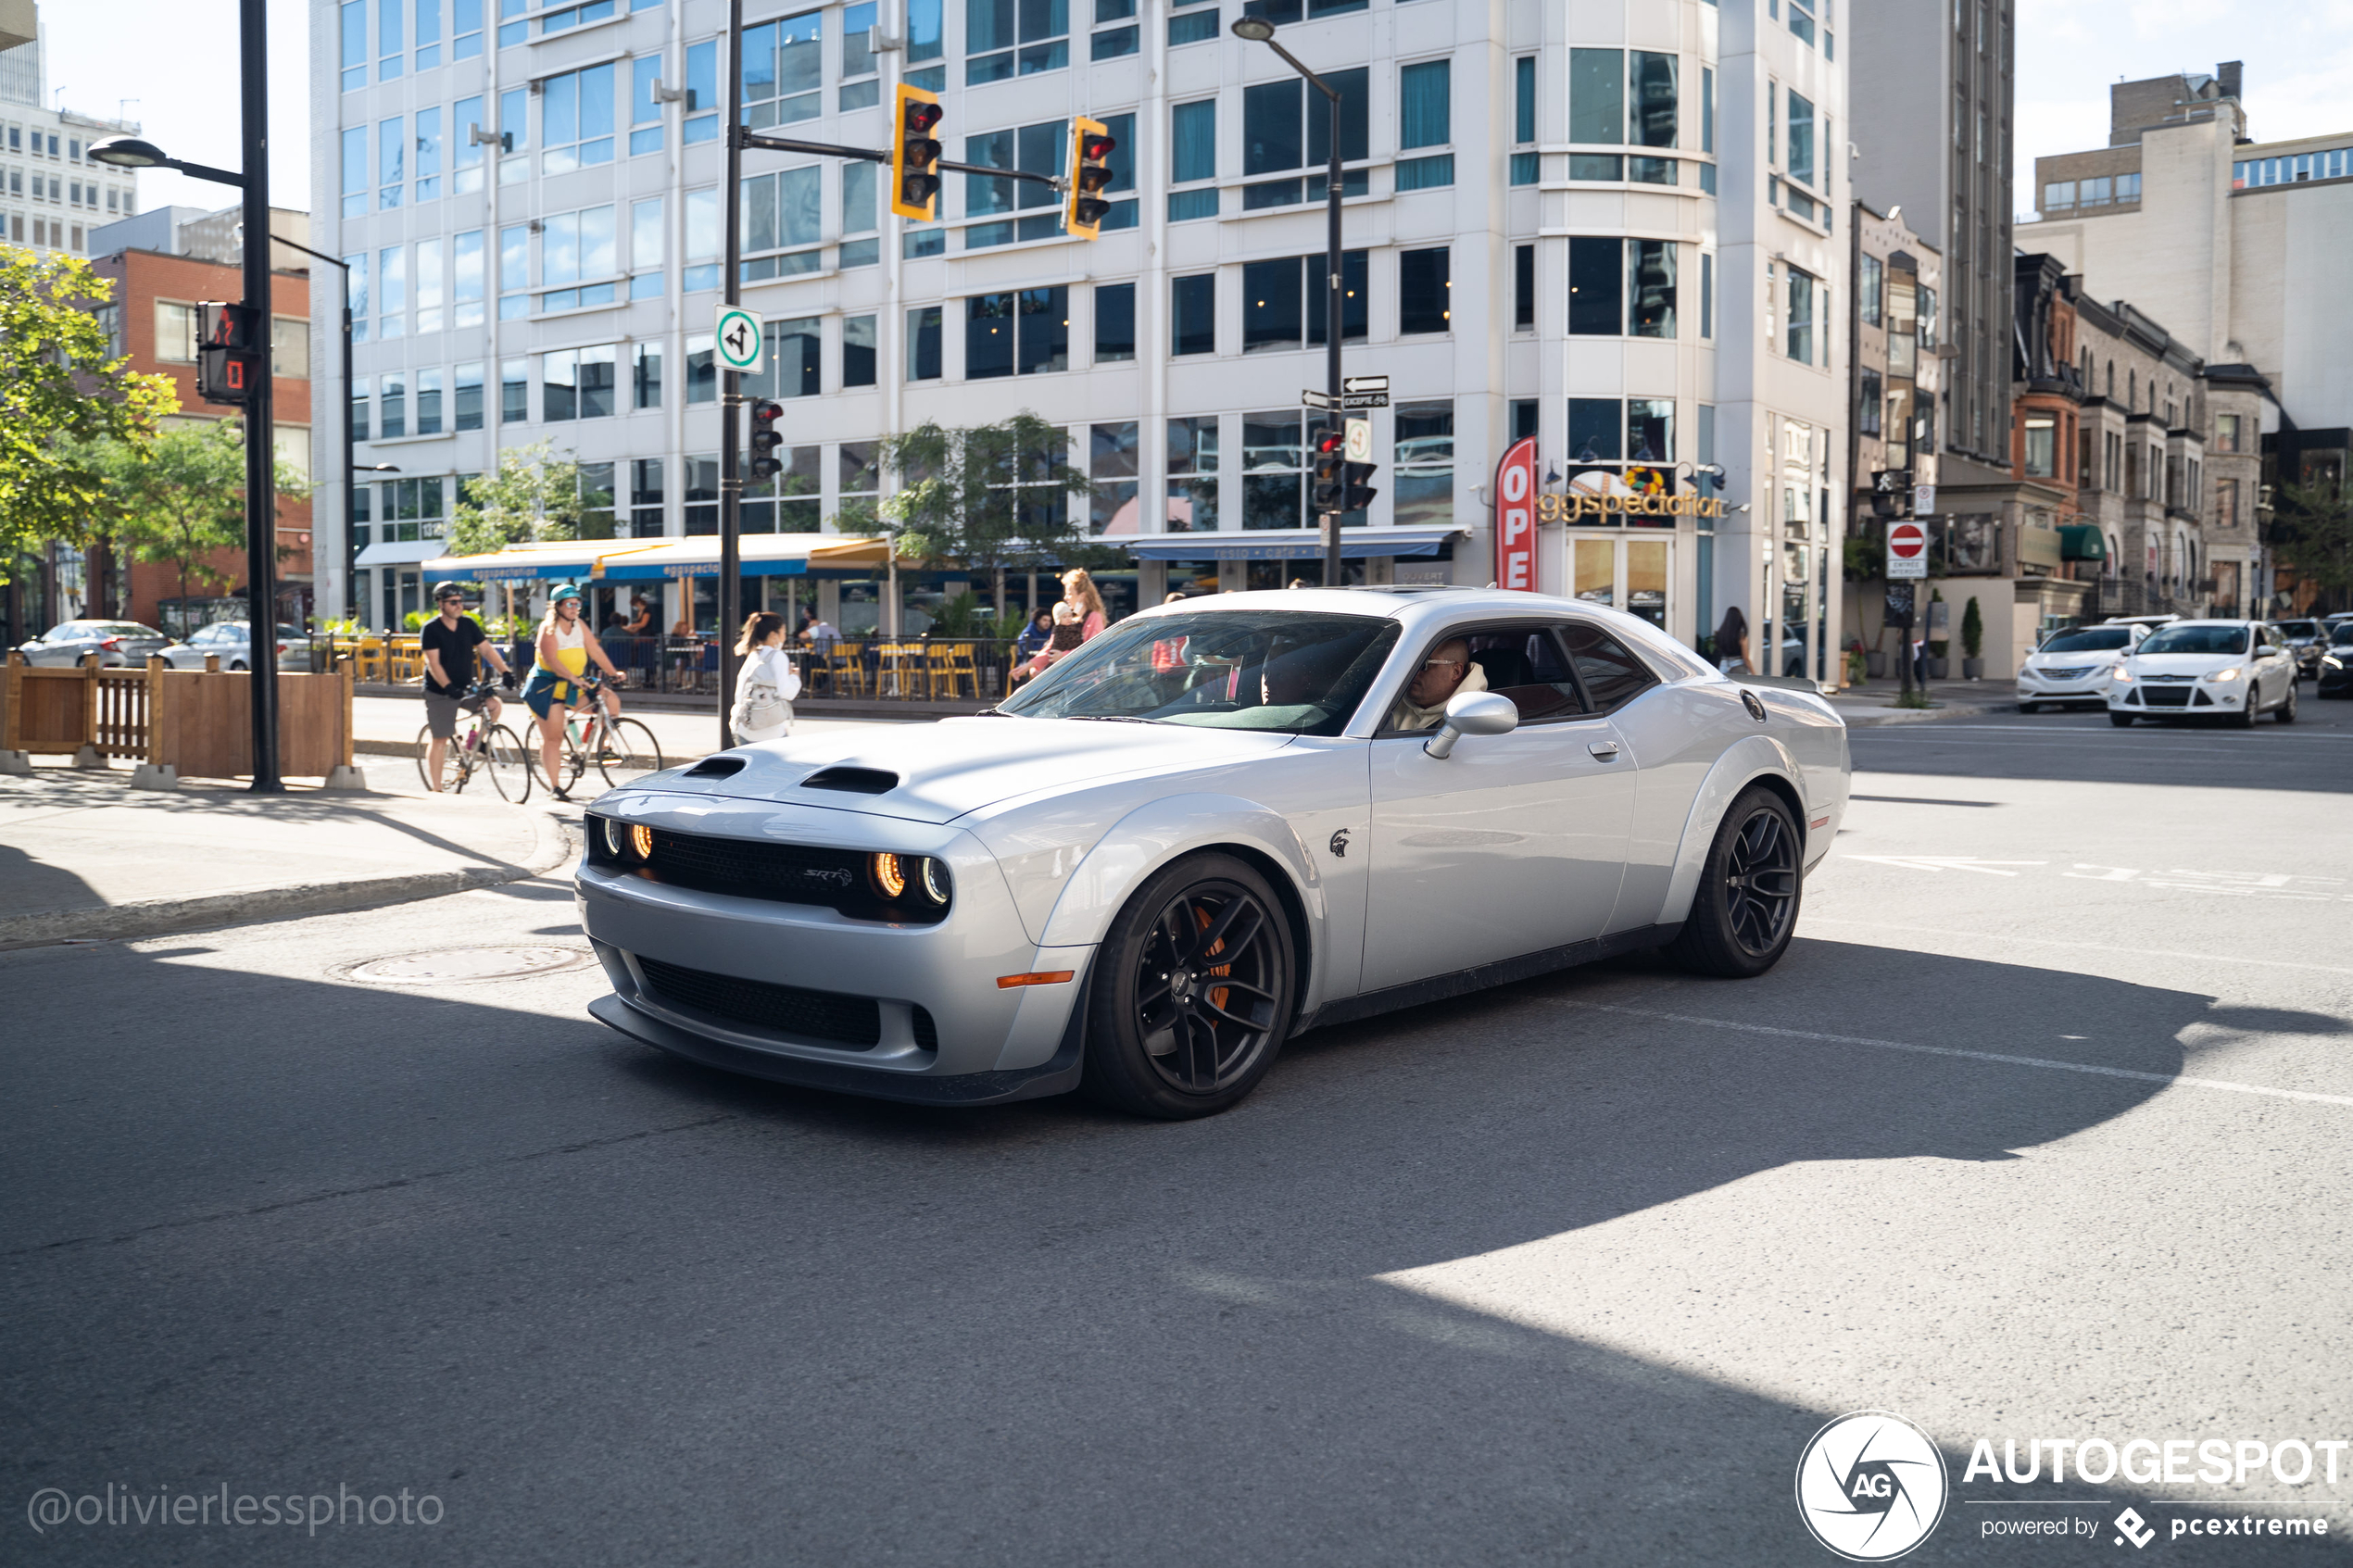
pixel 834 875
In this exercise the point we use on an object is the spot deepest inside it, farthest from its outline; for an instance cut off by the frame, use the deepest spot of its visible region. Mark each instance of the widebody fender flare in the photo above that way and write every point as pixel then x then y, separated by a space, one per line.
pixel 1748 759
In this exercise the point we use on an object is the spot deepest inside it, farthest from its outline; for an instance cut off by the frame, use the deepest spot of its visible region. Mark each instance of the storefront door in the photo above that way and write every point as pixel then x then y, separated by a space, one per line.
pixel 1632 572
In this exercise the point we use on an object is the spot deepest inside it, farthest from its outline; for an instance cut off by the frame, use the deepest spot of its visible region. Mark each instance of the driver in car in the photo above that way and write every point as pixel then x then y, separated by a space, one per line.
pixel 1447 672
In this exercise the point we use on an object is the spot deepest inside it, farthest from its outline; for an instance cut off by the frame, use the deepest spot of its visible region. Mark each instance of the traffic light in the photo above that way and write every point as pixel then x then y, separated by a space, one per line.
pixel 1329 466
pixel 914 157
pixel 1090 149
pixel 765 464
pixel 1357 494
pixel 229 352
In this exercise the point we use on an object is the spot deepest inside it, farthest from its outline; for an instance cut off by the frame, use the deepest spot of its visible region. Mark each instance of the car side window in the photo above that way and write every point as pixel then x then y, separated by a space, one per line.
pixel 1612 673
pixel 1526 664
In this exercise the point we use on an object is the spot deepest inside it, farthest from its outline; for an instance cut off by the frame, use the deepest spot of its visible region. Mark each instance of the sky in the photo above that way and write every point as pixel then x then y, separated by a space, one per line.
pixel 178 60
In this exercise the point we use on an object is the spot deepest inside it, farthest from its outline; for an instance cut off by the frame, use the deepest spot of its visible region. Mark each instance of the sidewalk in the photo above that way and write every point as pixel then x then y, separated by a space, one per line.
pixel 1873 702
pixel 82 856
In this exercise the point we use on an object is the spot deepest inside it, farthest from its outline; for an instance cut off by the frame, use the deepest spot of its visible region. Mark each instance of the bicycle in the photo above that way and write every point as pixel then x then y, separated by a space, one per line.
pixel 492 749
pixel 615 746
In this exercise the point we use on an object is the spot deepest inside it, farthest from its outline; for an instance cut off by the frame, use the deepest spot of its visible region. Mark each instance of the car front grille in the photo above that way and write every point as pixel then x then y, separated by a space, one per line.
pixel 2073 672
pixel 2164 697
pixel 787 873
pixel 854 1022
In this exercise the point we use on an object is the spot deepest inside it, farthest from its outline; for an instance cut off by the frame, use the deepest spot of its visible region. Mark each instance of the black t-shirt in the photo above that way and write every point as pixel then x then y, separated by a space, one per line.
pixel 456 645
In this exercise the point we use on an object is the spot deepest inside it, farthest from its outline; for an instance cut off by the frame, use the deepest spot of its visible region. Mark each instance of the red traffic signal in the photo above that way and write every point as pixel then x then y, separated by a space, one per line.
pixel 1328 442
pixel 229 352
pixel 914 155
pixel 765 464
pixel 1091 145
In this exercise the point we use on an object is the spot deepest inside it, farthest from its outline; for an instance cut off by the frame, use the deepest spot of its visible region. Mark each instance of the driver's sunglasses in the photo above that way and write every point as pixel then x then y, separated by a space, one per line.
pixel 1442 663
pixel 452 599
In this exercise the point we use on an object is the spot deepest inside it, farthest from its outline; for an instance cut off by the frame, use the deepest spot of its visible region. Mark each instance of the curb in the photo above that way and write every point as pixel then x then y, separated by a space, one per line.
pixel 1874 717
pixel 157 917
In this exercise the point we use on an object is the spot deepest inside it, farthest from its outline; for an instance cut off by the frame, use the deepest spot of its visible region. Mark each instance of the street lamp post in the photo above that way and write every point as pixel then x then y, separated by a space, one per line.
pixel 351 464
pixel 1258 30
pixel 262 445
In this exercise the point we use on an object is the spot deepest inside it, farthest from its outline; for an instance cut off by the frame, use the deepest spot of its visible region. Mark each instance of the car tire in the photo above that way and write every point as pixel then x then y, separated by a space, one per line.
pixel 2245 718
pixel 238 667
pixel 2285 714
pixel 2030 707
pixel 1164 1039
pixel 1750 886
pixel 2120 718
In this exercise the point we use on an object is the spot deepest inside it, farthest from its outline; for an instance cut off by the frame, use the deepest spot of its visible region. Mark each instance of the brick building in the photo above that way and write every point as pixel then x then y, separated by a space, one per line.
pixel 153 319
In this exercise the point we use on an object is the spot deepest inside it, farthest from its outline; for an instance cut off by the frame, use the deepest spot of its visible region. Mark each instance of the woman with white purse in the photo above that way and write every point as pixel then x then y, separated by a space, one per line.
pixel 766 684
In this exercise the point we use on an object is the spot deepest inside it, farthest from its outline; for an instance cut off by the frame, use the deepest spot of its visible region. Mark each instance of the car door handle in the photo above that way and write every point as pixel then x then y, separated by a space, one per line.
pixel 1604 749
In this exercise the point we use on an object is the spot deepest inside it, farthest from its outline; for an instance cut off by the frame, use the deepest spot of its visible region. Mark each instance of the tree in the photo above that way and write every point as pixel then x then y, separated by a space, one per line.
pixel 61 392
pixel 182 497
pixel 2311 535
pixel 989 498
pixel 533 495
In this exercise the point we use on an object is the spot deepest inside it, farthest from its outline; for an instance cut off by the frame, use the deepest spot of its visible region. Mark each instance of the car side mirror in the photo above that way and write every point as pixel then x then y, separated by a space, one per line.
pixel 1472 713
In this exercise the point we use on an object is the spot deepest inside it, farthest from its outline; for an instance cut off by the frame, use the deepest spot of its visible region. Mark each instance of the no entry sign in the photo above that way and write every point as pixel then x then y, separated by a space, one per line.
pixel 1906 550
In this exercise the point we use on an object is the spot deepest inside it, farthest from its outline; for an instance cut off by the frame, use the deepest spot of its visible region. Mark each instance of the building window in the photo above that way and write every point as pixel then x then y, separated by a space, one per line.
pixel 858 470
pixel 702 94
pixel 429 285
pixel 391 293
pixel 354 172
pixel 1274 471
pixel 2040 446
pixel 465 411
pixel 1650 430
pixel 1869 277
pixel 923 343
pixel 1112 463
pixel 1596 286
pixel 1799 343
pixel 1425 118
pixel 701 271
pixel 429 402
pixel 1192 475
pixel 2128 187
pixel 646 246
pixel 644 375
pixel 1110 44
pixel 359 400
pixel 701 510
pixel 644 498
pixel 1004 38
pixel 1425 291
pixel 2057 193
pixel 783 211
pixel 1192 316
pixel 1425 474
pixel 1192 157
pixel 1114 322
pixel 790 367
pixel 644 109
pixel 575 248
pixel 1284 302
pixel 858 342
pixel 2226 433
pixel 702 370
pixel 514 392
pixel 1800 164
pixel 392 407
pixel 576 119
pixel 389 40
pixel 1026 331
pixel 1524 288
pixel 466 279
pixel 1867 399
pixel 1597 97
pixel 1524 417
pixel 392 161
pixel 926 35
pixel 1650 288
pixel 1706 294
pixel 2098 192
pixel 351 54
pixel 784 72
pixel 1527 168
pixel 175 332
pixel 514 137
pixel 1191 26
pixel 1034 149
pixel 1280 131
pixel 428 171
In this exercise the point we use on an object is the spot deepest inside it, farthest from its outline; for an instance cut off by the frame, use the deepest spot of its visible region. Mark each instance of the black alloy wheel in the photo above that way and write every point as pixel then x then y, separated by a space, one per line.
pixel 1745 908
pixel 1192 993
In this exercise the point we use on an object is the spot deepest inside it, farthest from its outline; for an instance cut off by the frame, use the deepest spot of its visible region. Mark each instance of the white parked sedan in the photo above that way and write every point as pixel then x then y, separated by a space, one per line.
pixel 2233 670
pixel 231 642
pixel 1218 824
pixel 2074 665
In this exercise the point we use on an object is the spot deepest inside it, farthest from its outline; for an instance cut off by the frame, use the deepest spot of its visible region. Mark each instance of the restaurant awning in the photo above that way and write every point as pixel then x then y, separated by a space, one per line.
pixel 1288 544
pixel 549 560
pixel 764 555
pixel 2082 541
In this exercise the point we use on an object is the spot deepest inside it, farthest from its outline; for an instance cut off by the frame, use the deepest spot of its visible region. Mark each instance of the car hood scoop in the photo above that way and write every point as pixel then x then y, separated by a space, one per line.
pixel 936 772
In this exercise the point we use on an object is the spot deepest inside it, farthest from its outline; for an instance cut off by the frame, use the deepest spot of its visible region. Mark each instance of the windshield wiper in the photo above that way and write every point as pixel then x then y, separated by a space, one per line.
pixel 1111 718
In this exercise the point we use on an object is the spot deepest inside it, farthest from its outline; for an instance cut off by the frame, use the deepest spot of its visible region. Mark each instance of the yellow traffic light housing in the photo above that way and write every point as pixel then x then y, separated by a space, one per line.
pixel 915 155
pixel 1090 149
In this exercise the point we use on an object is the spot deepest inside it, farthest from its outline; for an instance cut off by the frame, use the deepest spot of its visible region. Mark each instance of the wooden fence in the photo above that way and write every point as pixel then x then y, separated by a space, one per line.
pixel 197 722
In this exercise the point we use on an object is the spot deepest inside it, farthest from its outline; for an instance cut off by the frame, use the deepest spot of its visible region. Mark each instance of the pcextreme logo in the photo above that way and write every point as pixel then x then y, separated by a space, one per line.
pixel 1870 1486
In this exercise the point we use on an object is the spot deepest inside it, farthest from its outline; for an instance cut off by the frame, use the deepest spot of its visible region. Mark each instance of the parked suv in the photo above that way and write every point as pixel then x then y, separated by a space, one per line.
pixel 2304 639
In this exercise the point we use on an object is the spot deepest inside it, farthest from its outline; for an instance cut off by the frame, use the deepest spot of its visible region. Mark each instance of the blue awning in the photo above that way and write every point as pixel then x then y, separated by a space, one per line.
pixel 1287 543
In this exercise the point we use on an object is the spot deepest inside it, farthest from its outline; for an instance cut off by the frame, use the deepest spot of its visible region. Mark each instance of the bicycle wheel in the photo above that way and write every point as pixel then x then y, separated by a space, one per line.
pixel 424 749
pixel 507 764
pixel 628 750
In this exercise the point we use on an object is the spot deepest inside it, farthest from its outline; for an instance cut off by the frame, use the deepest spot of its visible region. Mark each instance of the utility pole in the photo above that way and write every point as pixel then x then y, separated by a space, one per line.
pixel 731 397
pixel 261 431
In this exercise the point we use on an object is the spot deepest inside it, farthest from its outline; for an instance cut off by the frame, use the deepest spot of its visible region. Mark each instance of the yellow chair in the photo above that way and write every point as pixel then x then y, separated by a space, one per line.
pixel 900 669
pixel 847 665
pixel 951 670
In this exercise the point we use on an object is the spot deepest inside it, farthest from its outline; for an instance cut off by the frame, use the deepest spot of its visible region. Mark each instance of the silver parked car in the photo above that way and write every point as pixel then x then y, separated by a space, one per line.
pixel 1218 824
pixel 232 641
pixel 115 642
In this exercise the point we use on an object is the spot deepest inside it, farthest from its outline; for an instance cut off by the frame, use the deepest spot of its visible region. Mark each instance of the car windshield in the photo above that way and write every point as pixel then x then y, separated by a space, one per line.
pixel 2090 639
pixel 2197 639
pixel 2299 628
pixel 2343 636
pixel 1282 670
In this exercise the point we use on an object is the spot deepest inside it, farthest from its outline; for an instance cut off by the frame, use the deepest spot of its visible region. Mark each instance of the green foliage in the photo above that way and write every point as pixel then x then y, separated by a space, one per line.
pixel 181 497
pixel 1972 630
pixel 958 504
pixel 1866 556
pixel 533 495
pixel 61 393
pixel 2311 534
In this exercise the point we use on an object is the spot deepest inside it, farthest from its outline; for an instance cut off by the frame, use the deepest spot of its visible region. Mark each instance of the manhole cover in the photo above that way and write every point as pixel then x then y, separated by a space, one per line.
pixel 441 967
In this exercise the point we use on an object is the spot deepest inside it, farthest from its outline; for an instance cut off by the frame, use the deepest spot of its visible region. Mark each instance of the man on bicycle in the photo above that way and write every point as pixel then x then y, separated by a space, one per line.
pixel 566 647
pixel 449 641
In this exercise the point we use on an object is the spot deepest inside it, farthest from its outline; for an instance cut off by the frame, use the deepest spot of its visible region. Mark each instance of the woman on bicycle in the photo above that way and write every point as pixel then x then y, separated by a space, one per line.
pixel 566 648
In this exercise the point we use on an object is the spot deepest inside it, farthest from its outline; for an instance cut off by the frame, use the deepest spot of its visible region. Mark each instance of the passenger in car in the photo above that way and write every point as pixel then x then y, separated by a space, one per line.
pixel 1446 674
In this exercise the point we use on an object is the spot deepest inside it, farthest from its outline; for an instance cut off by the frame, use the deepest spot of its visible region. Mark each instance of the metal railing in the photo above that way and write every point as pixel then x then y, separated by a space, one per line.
pixel 869 669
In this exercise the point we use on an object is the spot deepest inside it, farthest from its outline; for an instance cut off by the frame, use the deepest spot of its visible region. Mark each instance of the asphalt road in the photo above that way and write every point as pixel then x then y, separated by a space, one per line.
pixel 2042 1129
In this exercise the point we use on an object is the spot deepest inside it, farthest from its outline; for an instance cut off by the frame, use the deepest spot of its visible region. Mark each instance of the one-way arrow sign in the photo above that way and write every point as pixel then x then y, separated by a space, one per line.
pixel 1364 383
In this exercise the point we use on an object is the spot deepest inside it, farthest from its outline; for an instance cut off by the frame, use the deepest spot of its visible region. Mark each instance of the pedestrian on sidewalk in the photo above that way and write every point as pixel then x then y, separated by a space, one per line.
pixel 449 641
pixel 1731 642
pixel 1079 593
pixel 767 683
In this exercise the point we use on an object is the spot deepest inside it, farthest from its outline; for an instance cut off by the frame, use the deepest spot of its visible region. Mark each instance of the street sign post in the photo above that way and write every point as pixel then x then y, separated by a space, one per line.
pixel 1906 551
pixel 738 339
pixel 1365 383
pixel 1377 398
pixel 1363 400
pixel 1310 397
pixel 1360 441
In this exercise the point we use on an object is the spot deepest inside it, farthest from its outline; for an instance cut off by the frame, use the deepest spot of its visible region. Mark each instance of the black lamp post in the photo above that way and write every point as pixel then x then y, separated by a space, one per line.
pixel 261 455
pixel 1258 30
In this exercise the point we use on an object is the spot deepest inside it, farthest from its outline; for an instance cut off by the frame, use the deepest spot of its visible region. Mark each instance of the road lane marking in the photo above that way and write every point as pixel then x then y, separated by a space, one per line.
pixel 2231 884
pixel 2222 1084
pixel 1946 863
pixel 1812 918
pixel 1919 801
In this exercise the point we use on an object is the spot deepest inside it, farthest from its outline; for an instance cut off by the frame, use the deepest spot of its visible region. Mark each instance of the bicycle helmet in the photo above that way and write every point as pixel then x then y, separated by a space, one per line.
pixel 449 591
pixel 562 592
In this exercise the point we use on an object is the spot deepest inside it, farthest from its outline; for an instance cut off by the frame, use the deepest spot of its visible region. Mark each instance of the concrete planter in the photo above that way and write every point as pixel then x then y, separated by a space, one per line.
pixel 1940 669
pixel 1972 669
pixel 1875 664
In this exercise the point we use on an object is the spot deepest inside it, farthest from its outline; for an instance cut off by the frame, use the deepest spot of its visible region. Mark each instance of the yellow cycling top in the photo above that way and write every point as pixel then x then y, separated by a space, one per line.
pixel 572 651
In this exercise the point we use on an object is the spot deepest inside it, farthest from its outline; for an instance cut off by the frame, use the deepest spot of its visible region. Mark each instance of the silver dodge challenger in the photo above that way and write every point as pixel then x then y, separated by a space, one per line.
pixel 1218 824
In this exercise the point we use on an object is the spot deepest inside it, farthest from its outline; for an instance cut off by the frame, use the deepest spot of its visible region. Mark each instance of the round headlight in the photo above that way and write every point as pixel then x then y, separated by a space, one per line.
pixel 890 875
pixel 936 884
pixel 641 841
pixel 616 837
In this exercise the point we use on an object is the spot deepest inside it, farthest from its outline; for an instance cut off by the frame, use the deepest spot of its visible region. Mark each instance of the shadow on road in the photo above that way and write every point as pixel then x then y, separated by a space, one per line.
pixel 615 1307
